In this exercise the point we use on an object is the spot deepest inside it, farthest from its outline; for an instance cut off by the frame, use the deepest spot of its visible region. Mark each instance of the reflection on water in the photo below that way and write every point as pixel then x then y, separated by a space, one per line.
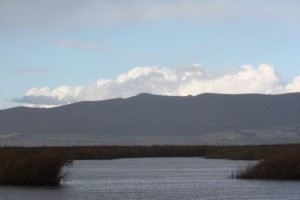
pixel 156 178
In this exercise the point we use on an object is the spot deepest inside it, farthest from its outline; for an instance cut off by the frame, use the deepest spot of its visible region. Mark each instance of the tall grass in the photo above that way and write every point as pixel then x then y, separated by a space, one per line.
pixel 32 168
pixel 234 152
pixel 285 166
pixel 43 165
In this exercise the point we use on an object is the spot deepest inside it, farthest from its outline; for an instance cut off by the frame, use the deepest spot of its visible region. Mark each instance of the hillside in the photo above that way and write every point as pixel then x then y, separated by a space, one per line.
pixel 153 116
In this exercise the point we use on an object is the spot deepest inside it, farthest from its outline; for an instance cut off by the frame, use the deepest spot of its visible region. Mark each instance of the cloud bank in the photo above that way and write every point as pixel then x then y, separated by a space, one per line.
pixel 182 81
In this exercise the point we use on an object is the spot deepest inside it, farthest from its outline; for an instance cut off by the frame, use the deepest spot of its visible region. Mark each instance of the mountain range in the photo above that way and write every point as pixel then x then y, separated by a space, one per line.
pixel 154 119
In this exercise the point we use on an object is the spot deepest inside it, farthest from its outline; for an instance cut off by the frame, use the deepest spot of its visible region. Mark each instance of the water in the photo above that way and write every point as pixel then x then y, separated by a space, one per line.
pixel 156 178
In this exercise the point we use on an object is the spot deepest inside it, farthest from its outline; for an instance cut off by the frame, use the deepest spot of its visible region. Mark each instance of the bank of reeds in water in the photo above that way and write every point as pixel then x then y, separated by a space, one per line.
pixel 38 168
pixel 285 166
pixel 43 165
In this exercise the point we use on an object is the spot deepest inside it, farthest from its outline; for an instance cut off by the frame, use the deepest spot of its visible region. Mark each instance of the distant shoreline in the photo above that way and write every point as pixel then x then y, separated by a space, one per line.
pixel 232 152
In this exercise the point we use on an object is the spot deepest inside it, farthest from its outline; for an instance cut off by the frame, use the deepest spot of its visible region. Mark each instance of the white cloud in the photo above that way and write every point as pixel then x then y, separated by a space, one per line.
pixel 45 97
pixel 248 79
pixel 189 80
pixel 65 14
pixel 294 86
pixel 59 92
pixel 289 88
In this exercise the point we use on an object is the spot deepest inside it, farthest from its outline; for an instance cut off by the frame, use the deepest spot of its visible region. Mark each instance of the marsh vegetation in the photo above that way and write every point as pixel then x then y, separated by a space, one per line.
pixel 36 168
pixel 285 166
pixel 43 165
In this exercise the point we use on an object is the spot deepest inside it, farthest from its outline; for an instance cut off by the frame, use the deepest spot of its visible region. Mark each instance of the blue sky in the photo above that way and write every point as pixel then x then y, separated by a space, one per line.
pixel 58 52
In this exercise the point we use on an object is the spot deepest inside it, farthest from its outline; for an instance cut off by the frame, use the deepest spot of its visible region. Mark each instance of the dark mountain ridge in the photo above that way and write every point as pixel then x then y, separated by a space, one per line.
pixel 155 115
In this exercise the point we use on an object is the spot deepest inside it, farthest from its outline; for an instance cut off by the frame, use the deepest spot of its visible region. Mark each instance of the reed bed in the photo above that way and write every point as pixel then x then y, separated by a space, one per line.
pixel 44 165
pixel 285 166
pixel 35 168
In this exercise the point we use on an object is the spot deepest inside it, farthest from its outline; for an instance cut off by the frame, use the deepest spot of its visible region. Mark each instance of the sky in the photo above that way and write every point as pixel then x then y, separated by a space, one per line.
pixel 58 52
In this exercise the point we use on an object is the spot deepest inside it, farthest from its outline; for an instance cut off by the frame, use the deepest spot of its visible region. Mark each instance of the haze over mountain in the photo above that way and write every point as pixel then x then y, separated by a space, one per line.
pixel 153 119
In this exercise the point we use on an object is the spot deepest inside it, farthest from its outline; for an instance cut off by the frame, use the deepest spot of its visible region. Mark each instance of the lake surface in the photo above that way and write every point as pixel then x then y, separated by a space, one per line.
pixel 156 178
